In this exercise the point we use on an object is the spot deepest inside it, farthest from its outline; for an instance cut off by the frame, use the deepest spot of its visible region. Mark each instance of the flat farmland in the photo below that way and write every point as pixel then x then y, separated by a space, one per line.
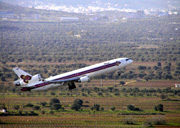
pixel 166 83
pixel 88 118
pixel 107 93
pixel 133 83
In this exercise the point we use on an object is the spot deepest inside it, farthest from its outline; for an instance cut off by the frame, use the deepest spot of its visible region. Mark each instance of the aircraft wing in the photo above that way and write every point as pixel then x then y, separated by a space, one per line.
pixel 65 80
pixel 69 81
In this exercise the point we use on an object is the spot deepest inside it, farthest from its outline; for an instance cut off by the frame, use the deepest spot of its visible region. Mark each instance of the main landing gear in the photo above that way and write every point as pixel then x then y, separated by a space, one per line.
pixel 71 85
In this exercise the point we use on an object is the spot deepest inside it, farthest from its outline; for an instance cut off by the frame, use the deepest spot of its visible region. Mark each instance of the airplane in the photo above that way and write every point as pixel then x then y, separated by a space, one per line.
pixel 27 82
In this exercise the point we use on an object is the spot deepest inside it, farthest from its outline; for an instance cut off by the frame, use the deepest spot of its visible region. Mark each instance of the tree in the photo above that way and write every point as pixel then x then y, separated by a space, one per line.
pixel 3 79
pixel 36 108
pixel 55 106
pixel 159 107
pixel 130 107
pixel 20 113
pixel 29 105
pixel 155 67
pixel 78 101
pixel 51 112
pixel 113 108
pixel 96 107
pixel 163 96
pixel 122 83
pixel 102 108
pixel 75 107
pixel 128 120
pixel 53 93
pixel 100 94
pixel 159 64
pixel 43 112
pixel 54 101
pixel 16 107
pixel 43 104
pixel 141 67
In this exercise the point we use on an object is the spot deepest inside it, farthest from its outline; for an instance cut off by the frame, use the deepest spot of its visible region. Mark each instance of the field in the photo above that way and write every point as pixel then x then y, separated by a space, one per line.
pixel 144 95
pixel 106 92
pixel 86 117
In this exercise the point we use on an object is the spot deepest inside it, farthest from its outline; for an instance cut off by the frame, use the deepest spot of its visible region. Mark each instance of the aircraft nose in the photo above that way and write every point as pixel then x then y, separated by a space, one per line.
pixel 129 61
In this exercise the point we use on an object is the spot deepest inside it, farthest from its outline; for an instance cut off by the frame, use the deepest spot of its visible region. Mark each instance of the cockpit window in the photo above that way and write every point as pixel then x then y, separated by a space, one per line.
pixel 127 59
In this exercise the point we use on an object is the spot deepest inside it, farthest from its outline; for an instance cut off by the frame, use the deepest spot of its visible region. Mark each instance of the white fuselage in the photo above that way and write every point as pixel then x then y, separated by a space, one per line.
pixel 90 72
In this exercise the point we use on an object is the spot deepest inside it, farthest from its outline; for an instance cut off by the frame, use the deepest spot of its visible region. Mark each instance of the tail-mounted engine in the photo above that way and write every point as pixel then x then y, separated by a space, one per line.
pixel 18 82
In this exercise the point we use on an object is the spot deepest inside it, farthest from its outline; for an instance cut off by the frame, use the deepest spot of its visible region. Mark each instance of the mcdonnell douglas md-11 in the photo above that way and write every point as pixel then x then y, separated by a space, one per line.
pixel 28 82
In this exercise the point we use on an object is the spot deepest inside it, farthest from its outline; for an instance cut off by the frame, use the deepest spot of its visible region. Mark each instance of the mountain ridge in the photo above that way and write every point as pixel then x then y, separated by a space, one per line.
pixel 97 5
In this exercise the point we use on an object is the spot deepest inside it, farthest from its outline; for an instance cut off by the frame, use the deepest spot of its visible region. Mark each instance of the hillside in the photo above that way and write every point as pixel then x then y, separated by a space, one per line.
pixel 98 5
pixel 34 38
pixel 18 13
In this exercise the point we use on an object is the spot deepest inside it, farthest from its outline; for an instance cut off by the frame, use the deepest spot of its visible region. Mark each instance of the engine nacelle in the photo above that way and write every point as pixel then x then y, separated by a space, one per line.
pixel 84 79
pixel 19 82
pixel 36 78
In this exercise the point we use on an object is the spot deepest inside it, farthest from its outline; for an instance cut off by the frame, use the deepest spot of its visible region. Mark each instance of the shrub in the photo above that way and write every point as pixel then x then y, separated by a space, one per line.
pixel 122 83
pixel 16 107
pixel 102 109
pixel 32 113
pixel 154 121
pixel 55 106
pixel 51 112
pixel 96 107
pixel 163 96
pixel 53 93
pixel 113 108
pixel 78 101
pixel 29 105
pixel 159 107
pixel 129 120
pixel 75 107
pixel 158 121
pixel 20 113
pixel 43 104
pixel 43 112
pixel 132 108
pixel 54 101
pixel 36 108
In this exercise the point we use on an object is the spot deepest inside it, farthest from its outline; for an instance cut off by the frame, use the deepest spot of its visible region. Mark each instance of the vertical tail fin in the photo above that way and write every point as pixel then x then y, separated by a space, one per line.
pixel 20 73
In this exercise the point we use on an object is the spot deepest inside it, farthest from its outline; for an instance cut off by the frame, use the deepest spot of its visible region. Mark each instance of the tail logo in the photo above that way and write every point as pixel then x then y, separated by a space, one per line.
pixel 26 78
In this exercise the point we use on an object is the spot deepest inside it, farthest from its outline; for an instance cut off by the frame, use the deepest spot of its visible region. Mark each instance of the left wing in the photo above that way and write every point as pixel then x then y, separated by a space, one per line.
pixel 70 82
pixel 76 79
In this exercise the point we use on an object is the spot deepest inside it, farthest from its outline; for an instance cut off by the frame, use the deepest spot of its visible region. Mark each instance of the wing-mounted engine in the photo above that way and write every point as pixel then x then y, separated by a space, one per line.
pixel 84 79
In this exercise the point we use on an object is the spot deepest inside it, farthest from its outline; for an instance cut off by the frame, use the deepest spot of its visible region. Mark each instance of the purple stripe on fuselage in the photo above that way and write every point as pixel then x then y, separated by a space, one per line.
pixel 73 75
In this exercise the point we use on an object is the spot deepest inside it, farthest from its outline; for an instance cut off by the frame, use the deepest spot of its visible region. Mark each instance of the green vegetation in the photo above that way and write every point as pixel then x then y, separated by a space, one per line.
pixel 55 104
pixel 159 107
pixel 143 95
pixel 132 108
pixel 56 42
pixel 49 49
